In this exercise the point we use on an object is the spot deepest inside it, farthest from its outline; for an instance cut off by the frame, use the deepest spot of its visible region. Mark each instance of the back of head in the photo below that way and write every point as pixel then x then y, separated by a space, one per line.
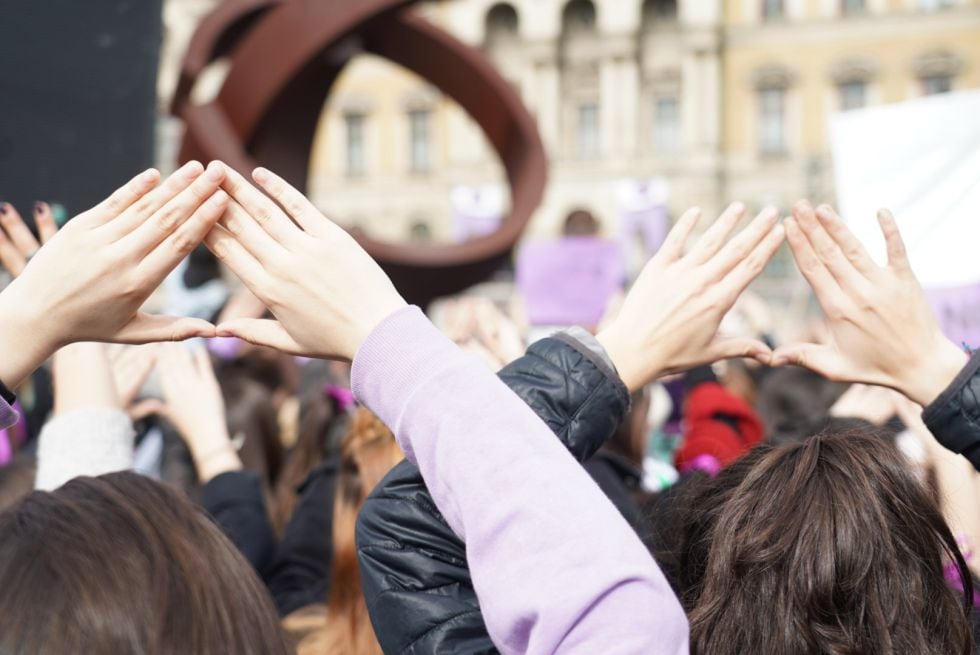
pixel 828 545
pixel 123 564
pixel 580 223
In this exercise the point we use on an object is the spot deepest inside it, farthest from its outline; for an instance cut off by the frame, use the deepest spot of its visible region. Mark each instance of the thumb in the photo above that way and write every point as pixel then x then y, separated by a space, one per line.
pixel 818 358
pixel 262 332
pixel 148 328
pixel 148 407
pixel 732 347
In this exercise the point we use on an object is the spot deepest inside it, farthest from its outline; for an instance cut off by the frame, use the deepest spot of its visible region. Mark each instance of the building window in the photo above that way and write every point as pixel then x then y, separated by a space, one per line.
pixel 852 95
pixel 935 84
pixel 666 125
pixel 934 5
pixel 420 232
pixel 579 17
pixel 852 7
pixel 418 121
pixel 659 11
pixel 502 23
pixel 772 118
pixel 772 10
pixel 587 135
pixel 355 144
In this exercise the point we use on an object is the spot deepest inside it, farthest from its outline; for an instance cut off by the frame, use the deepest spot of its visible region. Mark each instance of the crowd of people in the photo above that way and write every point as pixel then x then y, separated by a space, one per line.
pixel 321 469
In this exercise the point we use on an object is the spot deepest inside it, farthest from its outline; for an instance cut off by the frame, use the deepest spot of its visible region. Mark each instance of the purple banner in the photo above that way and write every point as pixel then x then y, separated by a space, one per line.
pixel 569 281
pixel 958 309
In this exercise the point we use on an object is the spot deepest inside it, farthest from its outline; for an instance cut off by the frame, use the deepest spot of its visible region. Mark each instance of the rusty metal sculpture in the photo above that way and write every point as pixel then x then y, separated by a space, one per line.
pixel 285 56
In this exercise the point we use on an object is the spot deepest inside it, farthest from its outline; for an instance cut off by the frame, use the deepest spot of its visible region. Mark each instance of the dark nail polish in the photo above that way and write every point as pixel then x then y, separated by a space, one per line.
pixel 38 207
pixel 3 209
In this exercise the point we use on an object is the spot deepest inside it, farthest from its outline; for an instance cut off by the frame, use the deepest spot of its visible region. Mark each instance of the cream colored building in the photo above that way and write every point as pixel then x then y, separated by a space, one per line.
pixel 723 99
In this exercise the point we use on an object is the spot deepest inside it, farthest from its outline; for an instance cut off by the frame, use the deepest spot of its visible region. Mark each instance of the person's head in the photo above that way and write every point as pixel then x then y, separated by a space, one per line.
pixel 580 223
pixel 123 564
pixel 17 480
pixel 828 545
pixel 252 418
pixel 795 402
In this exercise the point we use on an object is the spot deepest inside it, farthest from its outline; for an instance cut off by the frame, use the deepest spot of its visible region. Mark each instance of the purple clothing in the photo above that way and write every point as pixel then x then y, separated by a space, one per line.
pixel 555 566
pixel 8 416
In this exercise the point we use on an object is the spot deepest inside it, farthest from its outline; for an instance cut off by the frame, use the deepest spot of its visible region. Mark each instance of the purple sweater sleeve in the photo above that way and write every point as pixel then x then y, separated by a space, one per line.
pixel 555 566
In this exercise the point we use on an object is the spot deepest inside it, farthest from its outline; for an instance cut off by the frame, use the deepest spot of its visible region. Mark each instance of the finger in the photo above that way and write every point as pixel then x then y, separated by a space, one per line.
pixel 148 328
pixel 824 285
pixel 742 246
pixel 262 332
pixel 818 358
pixel 852 248
pixel 17 231
pixel 165 221
pixel 295 203
pixel 136 214
pixel 202 358
pixel 898 258
pixel 826 249
pixel 733 347
pixel 12 259
pixel 120 200
pixel 145 408
pixel 676 241
pixel 131 379
pixel 44 220
pixel 239 224
pixel 752 265
pixel 713 239
pixel 165 257
pixel 233 255
pixel 260 208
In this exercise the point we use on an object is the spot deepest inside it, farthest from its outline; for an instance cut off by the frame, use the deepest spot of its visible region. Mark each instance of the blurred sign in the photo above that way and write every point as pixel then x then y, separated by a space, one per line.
pixel 569 281
pixel 643 213
pixel 477 210
pixel 921 159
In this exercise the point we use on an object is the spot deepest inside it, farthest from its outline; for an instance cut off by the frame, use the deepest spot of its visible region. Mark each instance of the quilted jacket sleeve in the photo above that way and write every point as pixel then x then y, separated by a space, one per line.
pixel 413 567
pixel 954 417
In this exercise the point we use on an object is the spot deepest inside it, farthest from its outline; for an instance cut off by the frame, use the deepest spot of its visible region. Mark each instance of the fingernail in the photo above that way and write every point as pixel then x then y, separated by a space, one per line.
pixel 260 175
pixel 738 206
pixel 215 172
pixel 39 207
pixel 191 169
pixel 4 208
pixel 219 198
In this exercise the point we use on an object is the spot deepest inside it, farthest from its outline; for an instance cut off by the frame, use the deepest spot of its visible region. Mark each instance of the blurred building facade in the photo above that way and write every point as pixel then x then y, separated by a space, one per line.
pixel 722 99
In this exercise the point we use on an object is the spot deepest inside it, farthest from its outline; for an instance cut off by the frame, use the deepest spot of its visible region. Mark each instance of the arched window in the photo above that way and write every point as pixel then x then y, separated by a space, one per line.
pixel 579 17
pixel 658 12
pixel 502 23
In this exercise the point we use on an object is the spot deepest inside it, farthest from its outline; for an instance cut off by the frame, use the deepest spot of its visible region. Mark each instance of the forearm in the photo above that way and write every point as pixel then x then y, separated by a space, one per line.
pixel 24 337
pixel 83 378
pixel 531 517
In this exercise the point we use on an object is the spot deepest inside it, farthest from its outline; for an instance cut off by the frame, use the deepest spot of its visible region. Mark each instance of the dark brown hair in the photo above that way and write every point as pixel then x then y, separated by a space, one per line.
pixel 368 453
pixel 123 564
pixel 828 545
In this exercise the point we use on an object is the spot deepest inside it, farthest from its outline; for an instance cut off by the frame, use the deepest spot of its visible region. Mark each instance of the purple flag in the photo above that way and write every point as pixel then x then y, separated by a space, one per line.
pixel 569 281
pixel 958 309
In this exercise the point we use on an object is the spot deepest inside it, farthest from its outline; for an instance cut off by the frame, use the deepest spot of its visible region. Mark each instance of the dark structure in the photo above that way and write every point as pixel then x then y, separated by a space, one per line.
pixel 285 56
pixel 78 105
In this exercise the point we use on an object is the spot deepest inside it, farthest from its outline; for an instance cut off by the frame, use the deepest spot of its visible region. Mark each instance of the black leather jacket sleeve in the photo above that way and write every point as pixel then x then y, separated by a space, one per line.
pixel 413 567
pixel 954 417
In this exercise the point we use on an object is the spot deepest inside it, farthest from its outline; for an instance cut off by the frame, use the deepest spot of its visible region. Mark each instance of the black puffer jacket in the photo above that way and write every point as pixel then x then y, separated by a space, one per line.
pixel 954 417
pixel 413 567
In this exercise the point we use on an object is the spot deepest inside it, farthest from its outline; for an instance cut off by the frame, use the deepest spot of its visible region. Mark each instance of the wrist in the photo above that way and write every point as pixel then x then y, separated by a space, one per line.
pixel 624 356
pixel 928 379
pixel 26 338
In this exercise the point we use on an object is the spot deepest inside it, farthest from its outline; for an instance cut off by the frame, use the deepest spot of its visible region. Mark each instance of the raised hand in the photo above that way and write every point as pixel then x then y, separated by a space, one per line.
pixel 89 281
pixel 326 292
pixel 669 320
pixel 17 243
pixel 881 328
pixel 194 404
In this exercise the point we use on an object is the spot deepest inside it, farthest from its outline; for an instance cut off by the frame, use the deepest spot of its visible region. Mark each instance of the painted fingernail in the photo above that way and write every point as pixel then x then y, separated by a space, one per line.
pixel 260 175
pixel 39 207
pixel 4 208
pixel 215 172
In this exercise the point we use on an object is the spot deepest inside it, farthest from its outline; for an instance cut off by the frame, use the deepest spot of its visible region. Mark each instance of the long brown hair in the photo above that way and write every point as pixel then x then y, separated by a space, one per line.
pixel 829 545
pixel 369 451
pixel 123 564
